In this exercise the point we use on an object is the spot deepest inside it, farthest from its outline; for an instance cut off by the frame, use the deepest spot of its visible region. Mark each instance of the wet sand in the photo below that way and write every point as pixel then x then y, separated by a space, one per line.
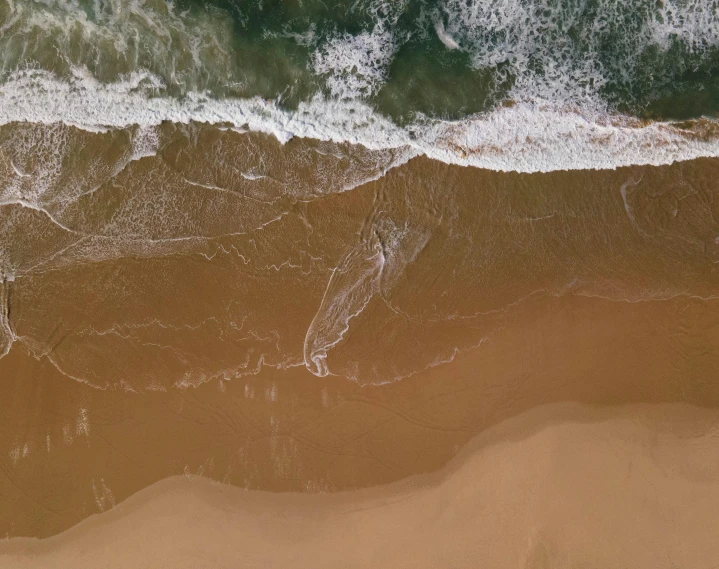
pixel 303 433
pixel 315 318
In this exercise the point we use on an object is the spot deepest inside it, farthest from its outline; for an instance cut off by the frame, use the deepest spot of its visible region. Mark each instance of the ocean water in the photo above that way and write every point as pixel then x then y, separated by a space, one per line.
pixel 524 85
pixel 192 191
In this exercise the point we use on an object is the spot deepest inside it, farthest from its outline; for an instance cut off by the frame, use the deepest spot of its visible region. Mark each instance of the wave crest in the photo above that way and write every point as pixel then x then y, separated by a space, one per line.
pixel 524 137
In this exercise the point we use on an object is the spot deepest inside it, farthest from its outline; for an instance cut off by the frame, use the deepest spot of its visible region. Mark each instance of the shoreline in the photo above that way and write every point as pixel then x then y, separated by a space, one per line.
pixel 299 432
pixel 533 136
pixel 424 285
pixel 221 526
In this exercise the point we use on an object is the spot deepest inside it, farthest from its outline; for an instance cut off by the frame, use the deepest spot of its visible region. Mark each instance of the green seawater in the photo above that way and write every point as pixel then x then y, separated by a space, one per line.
pixel 407 59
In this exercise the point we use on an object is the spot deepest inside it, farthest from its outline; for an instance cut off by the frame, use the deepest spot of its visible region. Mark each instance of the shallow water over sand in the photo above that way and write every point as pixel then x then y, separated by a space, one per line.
pixel 198 254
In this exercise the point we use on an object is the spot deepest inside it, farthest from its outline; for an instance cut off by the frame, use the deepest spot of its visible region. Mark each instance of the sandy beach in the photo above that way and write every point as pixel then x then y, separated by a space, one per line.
pixel 563 485
pixel 210 363
pixel 361 284
pixel 322 435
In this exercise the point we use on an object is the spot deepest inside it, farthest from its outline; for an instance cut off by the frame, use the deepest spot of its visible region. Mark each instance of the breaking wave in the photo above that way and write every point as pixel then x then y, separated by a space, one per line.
pixel 536 136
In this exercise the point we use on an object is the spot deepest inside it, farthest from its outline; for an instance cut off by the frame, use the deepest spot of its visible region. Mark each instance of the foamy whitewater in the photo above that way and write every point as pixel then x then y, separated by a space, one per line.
pixel 521 85
pixel 537 136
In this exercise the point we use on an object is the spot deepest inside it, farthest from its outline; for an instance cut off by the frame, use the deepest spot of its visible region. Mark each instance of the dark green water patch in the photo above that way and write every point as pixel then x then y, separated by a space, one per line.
pixel 636 56
pixel 429 79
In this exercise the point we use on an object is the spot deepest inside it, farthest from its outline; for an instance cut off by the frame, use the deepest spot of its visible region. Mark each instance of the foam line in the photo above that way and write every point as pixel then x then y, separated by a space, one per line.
pixel 526 137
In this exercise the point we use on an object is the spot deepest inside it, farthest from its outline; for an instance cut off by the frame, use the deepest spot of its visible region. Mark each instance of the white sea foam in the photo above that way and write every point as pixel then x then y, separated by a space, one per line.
pixel 186 47
pixel 559 50
pixel 349 291
pixel 444 37
pixel 355 65
pixel 146 141
pixel 696 22
pixel 526 137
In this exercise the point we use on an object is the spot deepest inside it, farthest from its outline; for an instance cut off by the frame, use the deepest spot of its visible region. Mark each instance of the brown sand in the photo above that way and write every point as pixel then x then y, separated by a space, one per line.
pixel 325 434
pixel 277 319
pixel 559 486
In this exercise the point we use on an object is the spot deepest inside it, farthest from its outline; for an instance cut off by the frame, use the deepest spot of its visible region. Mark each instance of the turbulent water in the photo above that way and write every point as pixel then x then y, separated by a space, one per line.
pixel 522 85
